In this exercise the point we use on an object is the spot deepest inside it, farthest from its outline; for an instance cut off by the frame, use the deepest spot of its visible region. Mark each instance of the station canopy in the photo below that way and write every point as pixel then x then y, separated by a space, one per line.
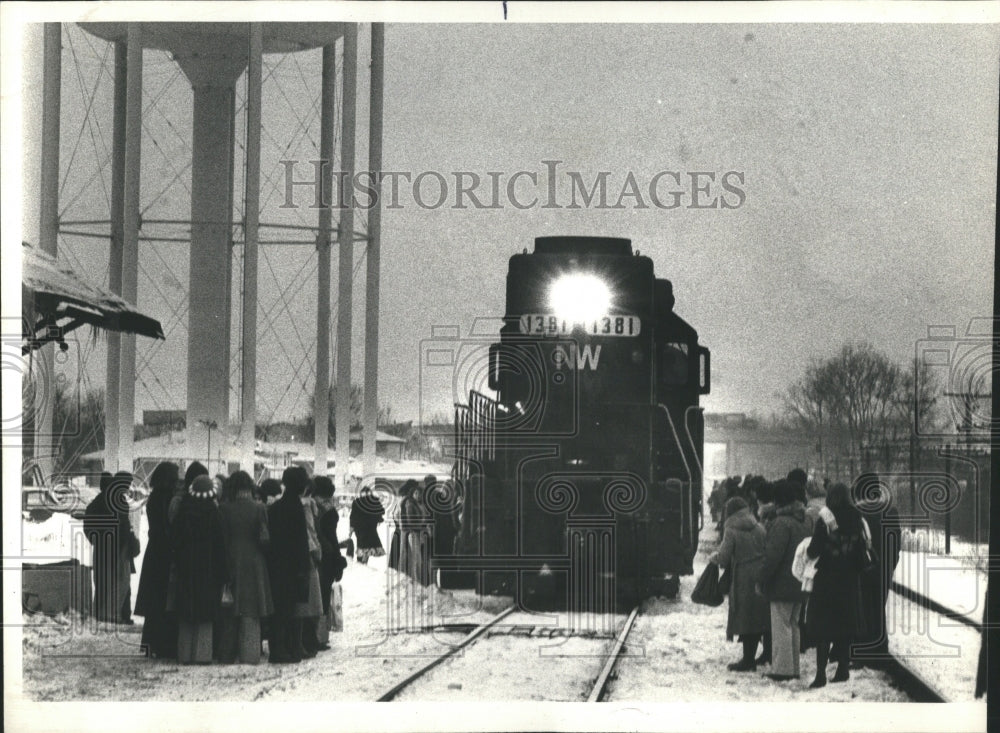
pixel 55 301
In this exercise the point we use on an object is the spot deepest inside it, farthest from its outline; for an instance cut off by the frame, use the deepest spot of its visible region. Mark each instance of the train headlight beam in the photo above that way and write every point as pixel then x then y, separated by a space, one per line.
pixel 579 297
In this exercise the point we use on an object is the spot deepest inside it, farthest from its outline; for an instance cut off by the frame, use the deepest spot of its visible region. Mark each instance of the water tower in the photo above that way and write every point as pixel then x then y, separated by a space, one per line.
pixel 213 57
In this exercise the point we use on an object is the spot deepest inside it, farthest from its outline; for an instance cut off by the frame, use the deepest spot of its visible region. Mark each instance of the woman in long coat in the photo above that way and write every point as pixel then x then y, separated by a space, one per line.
pixel 244 527
pixel 783 591
pixel 874 502
pixel 742 553
pixel 200 555
pixel 332 563
pixel 415 536
pixel 311 609
pixel 367 514
pixel 834 613
pixel 397 554
pixel 159 628
pixel 289 566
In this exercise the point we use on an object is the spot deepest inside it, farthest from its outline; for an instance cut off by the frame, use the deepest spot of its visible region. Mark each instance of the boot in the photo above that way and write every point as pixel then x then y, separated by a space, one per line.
pixel 822 654
pixel 310 641
pixel 294 637
pixel 843 663
pixel 277 642
pixel 747 664
pixel 765 653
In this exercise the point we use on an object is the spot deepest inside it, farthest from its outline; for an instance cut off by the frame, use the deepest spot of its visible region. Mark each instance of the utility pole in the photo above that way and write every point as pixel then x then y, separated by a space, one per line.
pixel 211 425
pixel 967 400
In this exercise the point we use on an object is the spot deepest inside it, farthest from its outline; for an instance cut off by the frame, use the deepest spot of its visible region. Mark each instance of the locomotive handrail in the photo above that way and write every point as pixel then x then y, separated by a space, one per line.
pixel 677 438
pixel 694 448
pixel 687 468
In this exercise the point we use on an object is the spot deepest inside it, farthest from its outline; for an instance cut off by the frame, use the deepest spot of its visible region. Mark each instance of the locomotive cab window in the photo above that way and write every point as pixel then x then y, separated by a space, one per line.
pixel 673 366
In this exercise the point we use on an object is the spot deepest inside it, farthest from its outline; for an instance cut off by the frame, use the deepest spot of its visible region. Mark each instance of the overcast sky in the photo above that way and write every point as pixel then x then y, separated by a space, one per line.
pixel 868 155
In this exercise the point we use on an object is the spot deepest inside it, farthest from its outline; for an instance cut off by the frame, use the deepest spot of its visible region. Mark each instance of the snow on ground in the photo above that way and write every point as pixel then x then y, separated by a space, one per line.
pixel 66 658
pixel 942 651
pixel 676 652
pixel 955 581
pixel 533 668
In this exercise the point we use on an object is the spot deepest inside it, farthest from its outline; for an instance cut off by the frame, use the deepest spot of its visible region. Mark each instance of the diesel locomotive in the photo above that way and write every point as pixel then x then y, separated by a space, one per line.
pixel 581 476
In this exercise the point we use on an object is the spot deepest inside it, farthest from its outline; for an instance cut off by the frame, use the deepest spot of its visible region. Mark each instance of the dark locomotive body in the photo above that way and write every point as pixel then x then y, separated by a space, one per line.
pixel 582 480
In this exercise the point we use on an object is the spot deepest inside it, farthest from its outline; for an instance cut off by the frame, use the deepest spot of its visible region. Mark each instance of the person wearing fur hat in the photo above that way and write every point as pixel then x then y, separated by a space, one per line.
pixel 200 556
pixel 783 591
pixel 742 553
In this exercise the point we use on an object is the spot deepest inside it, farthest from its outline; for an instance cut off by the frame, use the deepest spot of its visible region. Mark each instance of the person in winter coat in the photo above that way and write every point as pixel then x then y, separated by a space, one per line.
pixel 311 610
pixel 200 557
pixel 246 534
pixel 834 613
pixel 107 527
pixel 159 627
pixel 367 514
pixel 397 553
pixel 332 562
pixel 289 565
pixel 873 500
pixel 415 522
pixel 742 553
pixel 782 590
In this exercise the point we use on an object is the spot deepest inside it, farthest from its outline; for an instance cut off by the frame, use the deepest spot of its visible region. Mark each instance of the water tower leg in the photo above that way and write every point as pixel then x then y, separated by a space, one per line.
pixel 130 246
pixel 248 409
pixel 345 299
pixel 321 399
pixel 48 237
pixel 211 226
pixel 374 247
pixel 114 366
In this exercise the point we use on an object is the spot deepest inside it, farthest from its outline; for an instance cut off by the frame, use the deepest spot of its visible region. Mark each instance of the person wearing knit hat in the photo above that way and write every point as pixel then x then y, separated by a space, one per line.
pixel 200 556
pixel 742 553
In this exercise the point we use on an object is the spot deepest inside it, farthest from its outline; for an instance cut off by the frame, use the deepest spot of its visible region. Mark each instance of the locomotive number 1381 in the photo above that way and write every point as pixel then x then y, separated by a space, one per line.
pixel 547 324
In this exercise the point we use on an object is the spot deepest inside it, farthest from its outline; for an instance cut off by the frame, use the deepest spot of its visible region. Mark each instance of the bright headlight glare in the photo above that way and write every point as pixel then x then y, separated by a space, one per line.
pixel 579 297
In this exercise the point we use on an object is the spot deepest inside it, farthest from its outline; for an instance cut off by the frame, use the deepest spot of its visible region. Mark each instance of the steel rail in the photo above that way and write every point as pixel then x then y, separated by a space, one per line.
pixel 601 683
pixel 475 634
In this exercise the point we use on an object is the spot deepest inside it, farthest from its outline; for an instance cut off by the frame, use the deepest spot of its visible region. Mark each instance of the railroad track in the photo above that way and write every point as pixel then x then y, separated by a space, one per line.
pixel 909 681
pixel 469 639
pixel 475 633
pixel 905 677
pixel 600 685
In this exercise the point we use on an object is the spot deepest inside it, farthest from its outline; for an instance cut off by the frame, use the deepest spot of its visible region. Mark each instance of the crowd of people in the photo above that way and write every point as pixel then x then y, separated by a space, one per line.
pixel 227 563
pixel 851 545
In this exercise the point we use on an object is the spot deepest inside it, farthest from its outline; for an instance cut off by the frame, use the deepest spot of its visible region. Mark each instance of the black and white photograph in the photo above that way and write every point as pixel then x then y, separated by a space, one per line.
pixel 578 366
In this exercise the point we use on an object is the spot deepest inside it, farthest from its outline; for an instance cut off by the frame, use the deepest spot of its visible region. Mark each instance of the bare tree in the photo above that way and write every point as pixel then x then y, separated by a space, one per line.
pixel 860 405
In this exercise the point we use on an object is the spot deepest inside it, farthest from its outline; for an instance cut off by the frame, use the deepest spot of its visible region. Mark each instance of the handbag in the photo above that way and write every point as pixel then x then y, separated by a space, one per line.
pixel 706 590
pixel 336 607
pixel 870 563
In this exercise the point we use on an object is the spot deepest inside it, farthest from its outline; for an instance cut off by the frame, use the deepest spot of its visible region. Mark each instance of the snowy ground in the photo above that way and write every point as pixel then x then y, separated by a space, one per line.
pixel 677 650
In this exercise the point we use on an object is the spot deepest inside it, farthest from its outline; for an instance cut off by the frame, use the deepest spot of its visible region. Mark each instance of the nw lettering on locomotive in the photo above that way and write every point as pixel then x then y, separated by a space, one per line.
pixel 581 474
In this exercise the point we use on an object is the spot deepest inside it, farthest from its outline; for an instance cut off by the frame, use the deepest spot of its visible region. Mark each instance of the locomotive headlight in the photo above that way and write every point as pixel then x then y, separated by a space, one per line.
pixel 579 297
